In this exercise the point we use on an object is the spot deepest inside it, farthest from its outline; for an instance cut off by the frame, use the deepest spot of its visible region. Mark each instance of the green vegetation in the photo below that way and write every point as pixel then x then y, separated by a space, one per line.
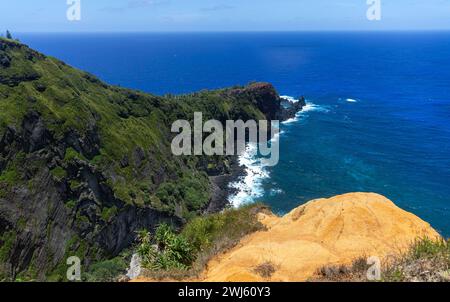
pixel 108 270
pixel 427 249
pixel 192 188
pixel 12 174
pixel 71 155
pixel 59 173
pixel 74 247
pixel 91 132
pixel 171 255
pixel 426 261
pixel 167 251
pixel 108 213
pixel 6 242
pixel 130 125
pixel 71 204
pixel 8 35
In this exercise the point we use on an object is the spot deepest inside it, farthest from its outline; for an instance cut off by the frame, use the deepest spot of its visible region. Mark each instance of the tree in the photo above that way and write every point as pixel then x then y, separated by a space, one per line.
pixel 8 35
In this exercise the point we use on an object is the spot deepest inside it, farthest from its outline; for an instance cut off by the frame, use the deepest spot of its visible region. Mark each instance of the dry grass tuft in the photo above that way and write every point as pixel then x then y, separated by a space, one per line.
pixel 266 269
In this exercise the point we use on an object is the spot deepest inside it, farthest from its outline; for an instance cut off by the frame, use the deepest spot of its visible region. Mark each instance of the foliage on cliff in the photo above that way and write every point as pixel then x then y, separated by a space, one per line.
pixel 185 254
pixel 83 165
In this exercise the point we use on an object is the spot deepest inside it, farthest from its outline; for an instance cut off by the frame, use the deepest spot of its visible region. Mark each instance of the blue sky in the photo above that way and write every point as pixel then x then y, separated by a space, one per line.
pixel 222 15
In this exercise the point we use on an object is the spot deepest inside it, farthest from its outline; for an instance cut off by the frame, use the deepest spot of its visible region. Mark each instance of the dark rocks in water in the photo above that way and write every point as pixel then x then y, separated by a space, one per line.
pixel 289 109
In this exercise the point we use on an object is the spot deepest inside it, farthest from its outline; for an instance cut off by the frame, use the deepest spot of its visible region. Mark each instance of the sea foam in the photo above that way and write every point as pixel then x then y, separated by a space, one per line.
pixel 250 187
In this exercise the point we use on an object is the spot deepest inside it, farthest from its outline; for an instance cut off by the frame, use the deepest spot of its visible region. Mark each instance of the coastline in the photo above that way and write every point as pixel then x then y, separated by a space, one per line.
pixel 220 186
pixel 226 188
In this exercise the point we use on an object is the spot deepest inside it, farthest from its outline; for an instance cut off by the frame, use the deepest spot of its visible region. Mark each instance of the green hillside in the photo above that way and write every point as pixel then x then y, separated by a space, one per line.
pixel 84 165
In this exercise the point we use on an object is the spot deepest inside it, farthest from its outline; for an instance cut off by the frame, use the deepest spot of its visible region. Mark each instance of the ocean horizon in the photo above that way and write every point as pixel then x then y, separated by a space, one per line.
pixel 378 111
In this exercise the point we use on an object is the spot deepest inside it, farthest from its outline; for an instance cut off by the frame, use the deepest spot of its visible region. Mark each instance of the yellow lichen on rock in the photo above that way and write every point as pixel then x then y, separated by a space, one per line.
pixel 322 232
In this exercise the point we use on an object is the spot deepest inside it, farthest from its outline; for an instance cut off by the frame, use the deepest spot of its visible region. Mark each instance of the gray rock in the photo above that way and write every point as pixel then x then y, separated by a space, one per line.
pixel 135 267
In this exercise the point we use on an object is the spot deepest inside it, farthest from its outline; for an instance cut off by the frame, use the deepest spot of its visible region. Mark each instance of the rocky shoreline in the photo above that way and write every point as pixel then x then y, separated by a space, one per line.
pixel 220 184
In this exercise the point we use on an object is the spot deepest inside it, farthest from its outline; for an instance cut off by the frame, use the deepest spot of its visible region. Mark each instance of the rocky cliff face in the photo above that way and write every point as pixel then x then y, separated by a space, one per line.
pixel 84 165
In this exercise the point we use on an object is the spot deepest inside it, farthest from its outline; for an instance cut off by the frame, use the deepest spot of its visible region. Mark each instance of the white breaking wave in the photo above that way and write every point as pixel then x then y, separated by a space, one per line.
pixel 250 187
pixel 289 121
pixel 307 108
pixel 312 107
pixel 289 98
pixel 351 100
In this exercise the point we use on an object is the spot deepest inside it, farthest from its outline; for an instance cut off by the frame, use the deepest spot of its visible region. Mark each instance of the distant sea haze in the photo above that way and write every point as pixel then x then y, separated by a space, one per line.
pixel 379 105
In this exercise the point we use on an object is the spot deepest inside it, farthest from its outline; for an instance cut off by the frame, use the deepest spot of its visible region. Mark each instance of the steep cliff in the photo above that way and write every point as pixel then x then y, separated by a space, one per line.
pixel 84 165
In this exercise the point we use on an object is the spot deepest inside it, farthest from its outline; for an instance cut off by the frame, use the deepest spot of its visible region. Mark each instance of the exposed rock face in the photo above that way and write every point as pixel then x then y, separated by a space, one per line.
pixel 290 109
pixel 84 165
pixel 266 98
pixel 46 229
pixel 263 95
pixel 321 232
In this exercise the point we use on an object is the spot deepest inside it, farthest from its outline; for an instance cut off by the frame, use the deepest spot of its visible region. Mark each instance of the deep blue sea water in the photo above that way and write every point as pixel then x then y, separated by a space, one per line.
pixel 394 139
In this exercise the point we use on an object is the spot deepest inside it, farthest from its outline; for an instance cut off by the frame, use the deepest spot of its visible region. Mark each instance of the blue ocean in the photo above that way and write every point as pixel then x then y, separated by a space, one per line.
pixel 378 114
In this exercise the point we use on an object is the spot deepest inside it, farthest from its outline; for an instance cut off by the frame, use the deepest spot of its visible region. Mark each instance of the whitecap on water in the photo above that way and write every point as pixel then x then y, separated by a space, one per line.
pixel 289 98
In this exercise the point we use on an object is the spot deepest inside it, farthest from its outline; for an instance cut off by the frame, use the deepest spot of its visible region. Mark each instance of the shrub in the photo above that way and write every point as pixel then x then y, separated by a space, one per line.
pixel 72 154
pixel 107 271
pixel 167 251
pixel 108 213
pixel 426 261
pixel 224 228
pixel 203 237
pixel 59 173
pixel 427 248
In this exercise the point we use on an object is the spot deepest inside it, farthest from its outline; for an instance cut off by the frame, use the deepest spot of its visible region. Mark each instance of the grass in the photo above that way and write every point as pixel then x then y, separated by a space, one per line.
pixel 210 235
pixel 59 173
pixel 426 261
pixel 108 270
pixel 265 270
pixel 6 243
